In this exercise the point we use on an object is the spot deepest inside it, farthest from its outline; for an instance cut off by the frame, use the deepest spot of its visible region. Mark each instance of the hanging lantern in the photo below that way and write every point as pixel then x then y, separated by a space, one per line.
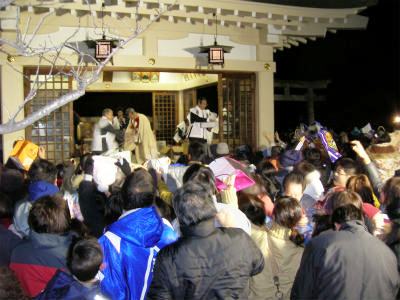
pixel 216 55
pixel 98 49
pixel 216 52
pixel 103 49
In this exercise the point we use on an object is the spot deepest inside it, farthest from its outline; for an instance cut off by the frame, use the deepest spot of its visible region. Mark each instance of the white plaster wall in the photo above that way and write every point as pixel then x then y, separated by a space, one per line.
pixel 168 82
pixel 135 47
pixel 188 47
pixel 12 95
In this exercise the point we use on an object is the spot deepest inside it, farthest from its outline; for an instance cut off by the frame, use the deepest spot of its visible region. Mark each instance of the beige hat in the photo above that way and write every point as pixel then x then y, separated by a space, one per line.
pixel 222 149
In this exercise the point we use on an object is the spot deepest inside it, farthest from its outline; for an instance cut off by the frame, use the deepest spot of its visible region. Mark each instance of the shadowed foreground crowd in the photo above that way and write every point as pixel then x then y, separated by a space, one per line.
pixel 306 229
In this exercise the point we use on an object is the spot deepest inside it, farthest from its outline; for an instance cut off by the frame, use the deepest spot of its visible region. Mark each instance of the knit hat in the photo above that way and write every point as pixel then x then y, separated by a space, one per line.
pixel 38 189
pixel 104 172
pixel 222 149
pixel 290 158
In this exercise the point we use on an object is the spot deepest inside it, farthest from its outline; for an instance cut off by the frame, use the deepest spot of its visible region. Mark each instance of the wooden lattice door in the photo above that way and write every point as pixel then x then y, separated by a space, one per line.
pixel 54 132
pixel 238 109
pixel 165 115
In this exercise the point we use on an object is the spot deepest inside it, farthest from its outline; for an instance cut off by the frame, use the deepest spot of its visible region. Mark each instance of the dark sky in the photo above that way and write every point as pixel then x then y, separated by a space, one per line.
pixel 363 66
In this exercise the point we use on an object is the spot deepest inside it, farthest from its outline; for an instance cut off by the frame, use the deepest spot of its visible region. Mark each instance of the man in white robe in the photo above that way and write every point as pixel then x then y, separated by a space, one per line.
pixel 139 137
pixel 203 123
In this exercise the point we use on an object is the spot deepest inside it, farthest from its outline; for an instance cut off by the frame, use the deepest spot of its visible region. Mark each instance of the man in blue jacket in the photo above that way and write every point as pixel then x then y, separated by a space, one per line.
pixel 131 244
pixel 42 177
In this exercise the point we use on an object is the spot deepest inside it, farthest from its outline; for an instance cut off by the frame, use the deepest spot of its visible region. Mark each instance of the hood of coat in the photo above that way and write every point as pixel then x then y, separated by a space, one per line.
pixel 142 227
pixel 56 242
pixel 38 189
pixel 353 226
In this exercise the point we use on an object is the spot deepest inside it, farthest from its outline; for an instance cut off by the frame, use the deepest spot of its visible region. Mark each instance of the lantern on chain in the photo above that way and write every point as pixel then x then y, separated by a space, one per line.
pixel 216 52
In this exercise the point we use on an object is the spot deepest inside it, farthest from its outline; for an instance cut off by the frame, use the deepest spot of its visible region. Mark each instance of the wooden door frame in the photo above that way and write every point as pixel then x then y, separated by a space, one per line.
pixel 27 71
pixel 254 117
pixel 194 100
pixel 176 93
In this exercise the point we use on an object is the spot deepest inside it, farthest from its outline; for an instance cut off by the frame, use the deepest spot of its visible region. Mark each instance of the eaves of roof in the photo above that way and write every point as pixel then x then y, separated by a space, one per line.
pixel 332 4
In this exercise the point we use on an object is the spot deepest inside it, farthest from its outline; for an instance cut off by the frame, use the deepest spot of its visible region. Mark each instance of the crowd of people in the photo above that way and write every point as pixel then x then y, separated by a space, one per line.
pixel 307 227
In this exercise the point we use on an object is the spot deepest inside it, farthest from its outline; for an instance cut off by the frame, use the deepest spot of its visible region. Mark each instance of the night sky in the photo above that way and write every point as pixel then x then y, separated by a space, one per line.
pixel 364 69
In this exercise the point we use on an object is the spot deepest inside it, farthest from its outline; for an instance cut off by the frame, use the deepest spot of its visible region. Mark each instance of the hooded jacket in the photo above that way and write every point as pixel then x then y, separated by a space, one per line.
pixel 36 260
pixel 130 247
pixel 36 190
pixel 64 286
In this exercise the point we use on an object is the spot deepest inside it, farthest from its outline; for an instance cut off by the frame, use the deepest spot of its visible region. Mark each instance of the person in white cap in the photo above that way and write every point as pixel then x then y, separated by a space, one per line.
pixel 222 150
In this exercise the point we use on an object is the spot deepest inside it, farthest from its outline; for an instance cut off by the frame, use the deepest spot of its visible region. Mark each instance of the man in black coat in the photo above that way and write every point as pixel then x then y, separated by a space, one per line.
pixel 348 263
pixel 91 201
pixel 206 262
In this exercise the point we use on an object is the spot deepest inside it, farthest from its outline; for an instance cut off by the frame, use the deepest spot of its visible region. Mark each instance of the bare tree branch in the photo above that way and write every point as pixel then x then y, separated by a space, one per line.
pixel 38 26
pixel 60 65
pixel 4 3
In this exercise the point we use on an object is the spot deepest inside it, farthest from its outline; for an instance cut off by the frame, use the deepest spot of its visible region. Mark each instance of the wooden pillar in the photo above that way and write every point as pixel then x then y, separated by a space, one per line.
pixel 220 109
pixel 264 106
pixel 12 95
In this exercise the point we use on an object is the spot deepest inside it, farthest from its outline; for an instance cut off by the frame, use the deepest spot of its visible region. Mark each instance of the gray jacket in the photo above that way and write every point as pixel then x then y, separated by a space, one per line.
pixel 347 264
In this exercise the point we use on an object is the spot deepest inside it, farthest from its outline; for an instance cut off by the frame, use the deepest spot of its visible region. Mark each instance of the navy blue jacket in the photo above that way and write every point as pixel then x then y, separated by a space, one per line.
pixel 9 241
pixel 65 286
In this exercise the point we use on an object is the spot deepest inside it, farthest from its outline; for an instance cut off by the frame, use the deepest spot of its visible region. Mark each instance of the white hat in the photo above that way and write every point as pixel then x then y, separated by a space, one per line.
pixel 222 149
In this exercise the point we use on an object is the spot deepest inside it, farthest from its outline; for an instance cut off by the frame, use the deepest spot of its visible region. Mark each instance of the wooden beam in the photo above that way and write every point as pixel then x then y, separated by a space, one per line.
pixel 292 42
pixel 317 84
pixel 107 76
pixel 298 98
pixel 299 39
